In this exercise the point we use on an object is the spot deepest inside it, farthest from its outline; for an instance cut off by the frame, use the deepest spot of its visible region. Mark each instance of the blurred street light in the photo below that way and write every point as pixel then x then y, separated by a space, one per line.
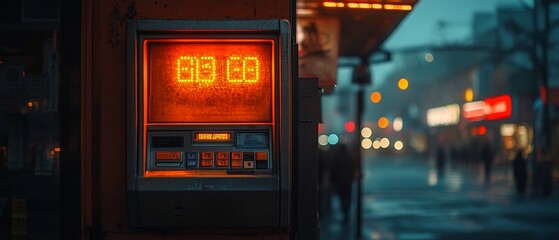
pixel 469 95
pixel 382 122
pixel 398 145
pixel 376 144
pixel 366 143
pixel 376 97
pixel 398 124
pixel 333 139
pixel 349 126
pixel 429 57
pixel 384 142
pixel 403 84
pixel 366 132
pixel 323 140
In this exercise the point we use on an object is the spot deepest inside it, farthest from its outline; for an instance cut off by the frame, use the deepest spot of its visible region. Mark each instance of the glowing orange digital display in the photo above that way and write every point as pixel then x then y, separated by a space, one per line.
pixel 212 136
pixel 209 81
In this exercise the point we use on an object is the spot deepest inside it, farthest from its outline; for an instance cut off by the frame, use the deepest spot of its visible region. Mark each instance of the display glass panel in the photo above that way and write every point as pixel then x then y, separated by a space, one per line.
pixel 209 80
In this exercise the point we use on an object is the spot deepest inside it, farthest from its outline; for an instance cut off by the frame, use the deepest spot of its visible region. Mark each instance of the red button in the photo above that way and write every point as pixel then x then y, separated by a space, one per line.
pixel 236 155
pixel 207 155
pixel 207 162
pixel 223 155
pixel 222 162
pixel 236 163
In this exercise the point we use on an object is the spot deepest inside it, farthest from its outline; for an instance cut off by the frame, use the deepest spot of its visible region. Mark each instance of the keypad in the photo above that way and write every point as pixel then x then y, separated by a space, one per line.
pixel 242 161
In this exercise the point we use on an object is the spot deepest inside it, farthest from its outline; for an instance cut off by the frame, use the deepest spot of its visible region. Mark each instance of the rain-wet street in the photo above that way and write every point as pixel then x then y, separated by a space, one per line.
pixel 405 198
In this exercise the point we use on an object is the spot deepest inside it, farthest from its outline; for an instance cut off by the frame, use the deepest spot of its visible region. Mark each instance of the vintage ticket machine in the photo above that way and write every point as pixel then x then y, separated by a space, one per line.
pixel 209 123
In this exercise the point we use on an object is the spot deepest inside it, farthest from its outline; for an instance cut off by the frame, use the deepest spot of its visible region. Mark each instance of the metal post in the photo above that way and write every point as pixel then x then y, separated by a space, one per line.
pixel 359 211
pixel 545 71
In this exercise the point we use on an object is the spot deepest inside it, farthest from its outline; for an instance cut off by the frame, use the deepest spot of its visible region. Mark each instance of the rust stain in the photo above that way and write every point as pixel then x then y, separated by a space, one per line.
pixel 117 19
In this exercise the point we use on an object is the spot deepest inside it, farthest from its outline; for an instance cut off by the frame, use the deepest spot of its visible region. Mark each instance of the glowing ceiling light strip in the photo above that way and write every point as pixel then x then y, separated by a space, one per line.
pixel 397 7
pixel 361 5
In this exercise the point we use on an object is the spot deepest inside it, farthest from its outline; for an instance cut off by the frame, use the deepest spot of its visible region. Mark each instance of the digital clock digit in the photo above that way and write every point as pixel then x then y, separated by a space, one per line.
pixel 202 69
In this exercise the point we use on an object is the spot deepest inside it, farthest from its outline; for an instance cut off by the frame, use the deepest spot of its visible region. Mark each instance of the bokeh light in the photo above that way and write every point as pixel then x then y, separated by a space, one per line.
pixel 429 57
pixel 398 145
pixel 376 144
pixel 482 130
pixel 376 97
pixel 349 126
pixel 469 95
pixel 383 122
pixel 384 142
pixel 366 132
pixel 403 84
pixel 323 140
pixel 366 143
pixel 398 124
pixel 333 139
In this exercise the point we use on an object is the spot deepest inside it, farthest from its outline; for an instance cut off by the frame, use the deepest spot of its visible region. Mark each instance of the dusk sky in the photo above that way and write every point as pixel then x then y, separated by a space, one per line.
pixel 421 26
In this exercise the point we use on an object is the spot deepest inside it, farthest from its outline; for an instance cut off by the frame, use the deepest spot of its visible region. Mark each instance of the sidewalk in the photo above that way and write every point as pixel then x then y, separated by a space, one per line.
pixel 406 198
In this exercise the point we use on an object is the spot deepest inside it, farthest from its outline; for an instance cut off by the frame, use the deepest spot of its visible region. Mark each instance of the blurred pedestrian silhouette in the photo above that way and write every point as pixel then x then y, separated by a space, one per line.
pixel 520 173
pixel 487 157
pixel 342 173
pixel 440 161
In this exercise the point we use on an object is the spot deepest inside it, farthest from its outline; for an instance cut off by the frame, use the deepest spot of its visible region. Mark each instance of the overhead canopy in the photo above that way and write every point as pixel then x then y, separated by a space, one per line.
pixel 365 25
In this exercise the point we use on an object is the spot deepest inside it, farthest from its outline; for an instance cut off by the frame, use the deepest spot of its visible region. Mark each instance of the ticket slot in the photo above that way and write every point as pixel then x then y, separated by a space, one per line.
pixel 167 141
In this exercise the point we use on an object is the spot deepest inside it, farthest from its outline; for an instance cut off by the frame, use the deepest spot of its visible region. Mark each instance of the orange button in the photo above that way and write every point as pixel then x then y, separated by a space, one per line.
pixel 207 162
pixel 236 155
pixel 168 156
pixel 223 155
pixel 222 162
pixel 207 155
pixel 236 163
pixel 261 156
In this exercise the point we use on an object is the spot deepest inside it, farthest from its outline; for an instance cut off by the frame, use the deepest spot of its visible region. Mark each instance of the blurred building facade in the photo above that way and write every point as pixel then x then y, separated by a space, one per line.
pixel 494 80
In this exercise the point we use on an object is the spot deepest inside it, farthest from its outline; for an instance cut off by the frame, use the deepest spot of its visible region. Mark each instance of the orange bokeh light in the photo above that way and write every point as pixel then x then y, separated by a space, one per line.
pixel 403 84
pixel 209 80
pixel 383 122
pixel 376 97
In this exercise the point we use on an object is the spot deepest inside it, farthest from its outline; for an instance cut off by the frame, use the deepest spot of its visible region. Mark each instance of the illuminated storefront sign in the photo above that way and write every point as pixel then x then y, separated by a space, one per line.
pixel 498 107
pixel 493 108
pixel 443 116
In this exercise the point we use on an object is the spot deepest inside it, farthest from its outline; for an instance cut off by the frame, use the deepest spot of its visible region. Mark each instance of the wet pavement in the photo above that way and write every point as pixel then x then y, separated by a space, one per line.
pixel 406 198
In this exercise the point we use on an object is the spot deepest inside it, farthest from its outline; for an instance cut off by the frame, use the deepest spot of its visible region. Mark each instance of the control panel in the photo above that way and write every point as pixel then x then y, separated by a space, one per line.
pixel 198 152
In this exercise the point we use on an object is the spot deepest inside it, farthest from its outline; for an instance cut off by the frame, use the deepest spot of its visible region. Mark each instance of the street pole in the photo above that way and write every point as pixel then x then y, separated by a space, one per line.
pixel 359 215
pixel 361 76
pixel 545 76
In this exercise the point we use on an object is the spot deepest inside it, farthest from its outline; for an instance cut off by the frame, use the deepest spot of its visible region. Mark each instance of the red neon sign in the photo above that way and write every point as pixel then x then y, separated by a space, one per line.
pixel 498 107
pixel 490 109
